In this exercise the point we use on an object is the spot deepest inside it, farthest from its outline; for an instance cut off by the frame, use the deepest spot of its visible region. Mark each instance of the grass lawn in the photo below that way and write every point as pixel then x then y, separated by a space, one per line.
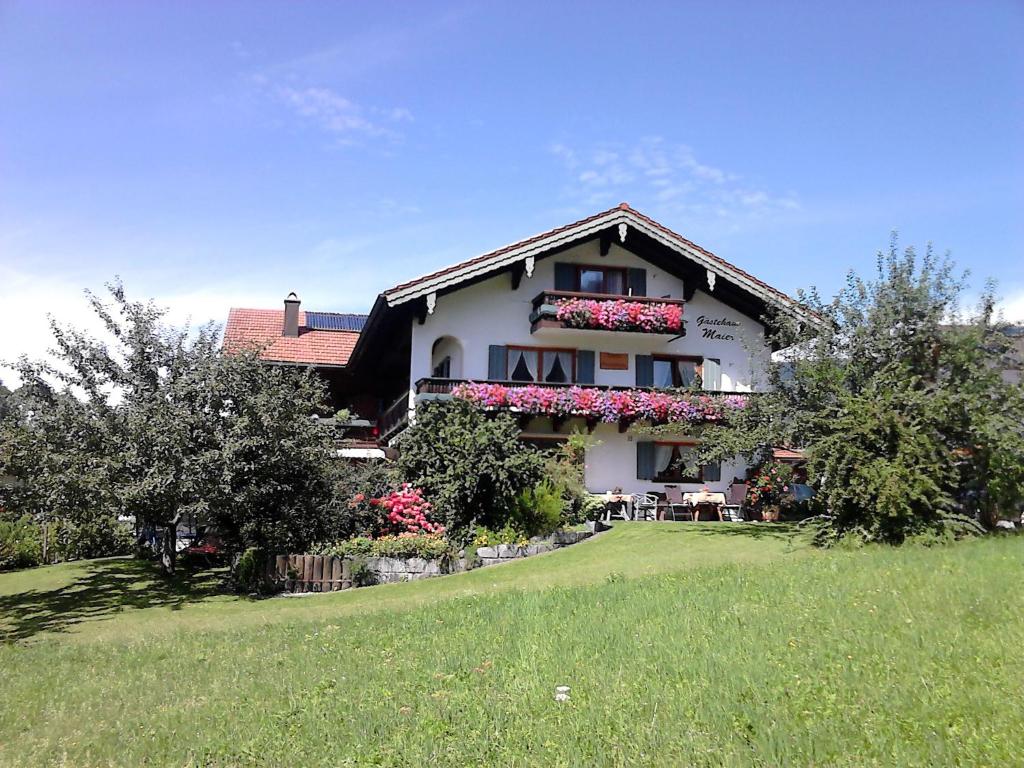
pixel 682 644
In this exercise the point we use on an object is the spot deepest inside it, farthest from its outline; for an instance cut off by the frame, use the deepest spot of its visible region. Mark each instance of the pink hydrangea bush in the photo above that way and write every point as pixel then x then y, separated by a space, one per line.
pixel 603 404
pixel 620 315
pixel 406 512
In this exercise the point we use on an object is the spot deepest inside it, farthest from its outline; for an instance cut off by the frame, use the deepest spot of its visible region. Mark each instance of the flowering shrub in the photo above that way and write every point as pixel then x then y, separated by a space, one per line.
pixel 406 511
pixel 605 405
pixel 485 537
pixel 769 488
pixel 620 315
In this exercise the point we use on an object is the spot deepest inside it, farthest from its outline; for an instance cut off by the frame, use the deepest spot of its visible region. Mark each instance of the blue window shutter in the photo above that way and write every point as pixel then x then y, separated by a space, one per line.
pixel 584 366
pixel 644 371
pixel 497 363
pixel 638 282
pixel 712 472
pixel 712 374
pixel 645 461
pixel 565 277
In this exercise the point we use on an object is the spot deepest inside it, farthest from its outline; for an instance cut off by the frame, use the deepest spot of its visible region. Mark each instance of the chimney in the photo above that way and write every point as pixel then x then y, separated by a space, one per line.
pixel 291 315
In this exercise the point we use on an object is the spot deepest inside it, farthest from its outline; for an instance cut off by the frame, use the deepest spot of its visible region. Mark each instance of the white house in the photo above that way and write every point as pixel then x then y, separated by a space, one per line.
pixel 500 319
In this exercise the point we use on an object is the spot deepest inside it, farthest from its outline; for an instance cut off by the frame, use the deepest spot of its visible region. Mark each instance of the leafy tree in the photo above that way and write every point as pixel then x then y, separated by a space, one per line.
pixel 156 422
pixel 471 465
pixel 897 396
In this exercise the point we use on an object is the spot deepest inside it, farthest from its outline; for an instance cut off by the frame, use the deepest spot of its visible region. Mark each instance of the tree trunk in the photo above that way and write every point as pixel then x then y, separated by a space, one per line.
pixel 168 547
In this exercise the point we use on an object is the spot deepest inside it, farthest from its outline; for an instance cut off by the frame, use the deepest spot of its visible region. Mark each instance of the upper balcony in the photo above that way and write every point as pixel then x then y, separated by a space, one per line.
pixel 557 312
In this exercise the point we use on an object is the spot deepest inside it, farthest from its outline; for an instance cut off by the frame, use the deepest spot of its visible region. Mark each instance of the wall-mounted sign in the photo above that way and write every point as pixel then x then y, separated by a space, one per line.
pixel 612 361
pixel 717 328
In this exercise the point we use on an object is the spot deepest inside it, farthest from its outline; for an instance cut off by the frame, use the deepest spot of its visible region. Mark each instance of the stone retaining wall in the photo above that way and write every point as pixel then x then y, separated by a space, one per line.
pixel 505 552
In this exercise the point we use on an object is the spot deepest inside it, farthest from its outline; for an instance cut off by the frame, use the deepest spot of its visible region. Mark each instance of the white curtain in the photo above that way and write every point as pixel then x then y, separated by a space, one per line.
pixel 662 458
pixel 663 373
pixel 559 364
pixel 687 372
pixel 522 365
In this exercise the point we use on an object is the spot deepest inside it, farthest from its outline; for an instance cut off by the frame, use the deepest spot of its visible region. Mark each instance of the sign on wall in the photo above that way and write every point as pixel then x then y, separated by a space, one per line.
pixel 613 361
pixel 717 328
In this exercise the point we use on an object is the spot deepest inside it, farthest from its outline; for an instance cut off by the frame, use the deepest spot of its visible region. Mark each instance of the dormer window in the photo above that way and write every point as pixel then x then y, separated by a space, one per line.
pixel 608 280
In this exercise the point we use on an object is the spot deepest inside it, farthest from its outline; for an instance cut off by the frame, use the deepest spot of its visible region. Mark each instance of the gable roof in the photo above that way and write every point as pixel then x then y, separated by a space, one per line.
pixel 262 329
pixel 589 227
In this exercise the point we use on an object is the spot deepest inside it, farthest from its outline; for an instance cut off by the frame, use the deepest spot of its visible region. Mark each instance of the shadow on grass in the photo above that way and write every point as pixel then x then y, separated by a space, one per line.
pixel 778 531
pixel 107 587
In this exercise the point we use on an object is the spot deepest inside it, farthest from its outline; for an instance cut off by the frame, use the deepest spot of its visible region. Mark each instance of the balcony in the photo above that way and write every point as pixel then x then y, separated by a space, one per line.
pixel 557 312
pixel 594 404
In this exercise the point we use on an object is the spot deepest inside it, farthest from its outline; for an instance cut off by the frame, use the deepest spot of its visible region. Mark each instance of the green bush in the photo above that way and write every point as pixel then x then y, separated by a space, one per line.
pixel 21 543
pixel 427 547
pixel 539 509
pixel 249 573
pixel 470 465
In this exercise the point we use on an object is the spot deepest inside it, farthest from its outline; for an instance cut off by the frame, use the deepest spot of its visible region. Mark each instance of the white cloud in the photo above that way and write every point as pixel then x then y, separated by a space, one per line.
pixel 341 116
pixel 26 300
pixel 1012 306
pixel 669 175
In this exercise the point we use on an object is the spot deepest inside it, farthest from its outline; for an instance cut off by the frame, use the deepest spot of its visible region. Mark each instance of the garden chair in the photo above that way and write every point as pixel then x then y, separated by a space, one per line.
pixel 734 502
pixel 678 509
pixel 645 506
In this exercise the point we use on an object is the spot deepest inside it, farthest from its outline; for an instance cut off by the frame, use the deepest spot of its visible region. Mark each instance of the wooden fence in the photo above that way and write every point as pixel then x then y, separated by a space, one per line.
pixel 310 573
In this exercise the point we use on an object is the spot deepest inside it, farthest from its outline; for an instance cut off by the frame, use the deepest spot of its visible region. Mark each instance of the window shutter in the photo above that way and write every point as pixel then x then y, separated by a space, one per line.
pixel 712 374
pixel 497 363
pixel 645 461
pixel 712 472
pixel 584 366
pixel 644 371
pixel 565 277
pixel 638 282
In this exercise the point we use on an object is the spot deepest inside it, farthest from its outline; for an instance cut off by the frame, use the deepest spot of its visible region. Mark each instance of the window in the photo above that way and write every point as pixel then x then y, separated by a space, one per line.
pixel 610 280
pixel 675 463
pixel 678 371
pixel 443 370
pixel 554 366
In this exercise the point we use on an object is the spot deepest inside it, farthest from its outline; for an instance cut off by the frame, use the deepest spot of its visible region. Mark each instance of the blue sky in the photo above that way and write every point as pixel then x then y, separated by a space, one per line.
pixel 227 153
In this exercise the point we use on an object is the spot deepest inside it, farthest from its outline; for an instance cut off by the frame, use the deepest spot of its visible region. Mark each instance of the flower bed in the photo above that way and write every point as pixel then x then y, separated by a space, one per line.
pixel 620 315
pixel 603 404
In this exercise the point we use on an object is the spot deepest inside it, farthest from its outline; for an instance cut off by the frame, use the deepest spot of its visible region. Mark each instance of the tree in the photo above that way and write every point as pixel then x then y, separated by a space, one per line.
pixel 157 422
pixel 896 395
pixel 470 465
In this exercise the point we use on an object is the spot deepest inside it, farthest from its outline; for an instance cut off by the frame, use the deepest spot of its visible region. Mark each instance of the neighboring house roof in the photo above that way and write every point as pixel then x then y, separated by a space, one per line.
pixel 788 454
pixel 536 245
pixel 262 328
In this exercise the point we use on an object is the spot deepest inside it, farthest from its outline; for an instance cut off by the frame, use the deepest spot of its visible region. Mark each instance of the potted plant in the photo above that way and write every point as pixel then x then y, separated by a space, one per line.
pixel 768 488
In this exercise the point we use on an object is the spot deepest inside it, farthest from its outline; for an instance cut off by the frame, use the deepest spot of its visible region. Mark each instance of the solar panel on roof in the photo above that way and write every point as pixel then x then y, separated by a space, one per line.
pixel 334 321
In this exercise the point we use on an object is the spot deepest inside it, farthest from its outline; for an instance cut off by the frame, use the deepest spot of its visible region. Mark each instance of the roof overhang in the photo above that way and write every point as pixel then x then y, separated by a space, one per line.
pixel 621 220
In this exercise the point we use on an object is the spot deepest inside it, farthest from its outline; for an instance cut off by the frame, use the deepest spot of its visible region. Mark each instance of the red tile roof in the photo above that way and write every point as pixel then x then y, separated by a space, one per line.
pixel 262 328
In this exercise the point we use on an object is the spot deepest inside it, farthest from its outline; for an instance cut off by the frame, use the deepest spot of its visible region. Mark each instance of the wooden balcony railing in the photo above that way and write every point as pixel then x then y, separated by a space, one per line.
pixel 394 417
pixel 593 403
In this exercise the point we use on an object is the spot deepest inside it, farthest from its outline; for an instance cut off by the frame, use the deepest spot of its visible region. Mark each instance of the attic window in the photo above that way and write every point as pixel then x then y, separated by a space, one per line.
pixel 609 280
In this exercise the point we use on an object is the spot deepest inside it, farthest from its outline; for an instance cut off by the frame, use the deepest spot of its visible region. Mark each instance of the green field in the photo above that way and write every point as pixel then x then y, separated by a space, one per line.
pixel 682 645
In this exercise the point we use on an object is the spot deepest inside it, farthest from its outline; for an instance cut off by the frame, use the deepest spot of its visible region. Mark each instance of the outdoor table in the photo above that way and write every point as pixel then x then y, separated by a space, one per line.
pixel 618 498
pixel 705 497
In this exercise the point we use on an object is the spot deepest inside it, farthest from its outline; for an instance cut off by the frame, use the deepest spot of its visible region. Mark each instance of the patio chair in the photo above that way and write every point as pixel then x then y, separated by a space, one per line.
pixel 678 509
pixel 645 506
pixel 734 502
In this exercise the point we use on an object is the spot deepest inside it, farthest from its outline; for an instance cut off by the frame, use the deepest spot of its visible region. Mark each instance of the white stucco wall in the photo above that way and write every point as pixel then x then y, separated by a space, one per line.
pixel 611 463
pixel 490 312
